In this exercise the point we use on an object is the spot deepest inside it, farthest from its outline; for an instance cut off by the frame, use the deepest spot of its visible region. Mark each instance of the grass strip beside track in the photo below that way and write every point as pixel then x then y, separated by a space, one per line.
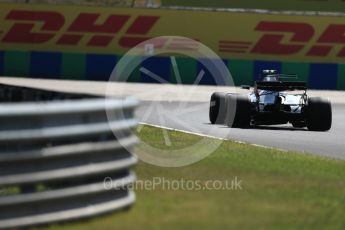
pixel 280 190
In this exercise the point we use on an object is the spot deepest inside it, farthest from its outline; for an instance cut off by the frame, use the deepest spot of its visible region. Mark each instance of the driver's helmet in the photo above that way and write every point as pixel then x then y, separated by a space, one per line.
pixel 269 72
pixel 270 75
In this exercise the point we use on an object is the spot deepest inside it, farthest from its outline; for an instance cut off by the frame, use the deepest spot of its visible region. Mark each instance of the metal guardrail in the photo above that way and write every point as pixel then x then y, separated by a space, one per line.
pixel 55 151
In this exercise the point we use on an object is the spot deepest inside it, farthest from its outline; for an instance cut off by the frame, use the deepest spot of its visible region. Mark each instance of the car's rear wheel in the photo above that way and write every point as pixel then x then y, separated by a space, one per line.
pixel 218 108
pixel 242 116
pixel 319 114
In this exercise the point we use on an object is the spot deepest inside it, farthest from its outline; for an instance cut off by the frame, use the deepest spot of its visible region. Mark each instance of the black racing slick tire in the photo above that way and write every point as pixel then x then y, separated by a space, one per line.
pixel 241 118
pixel 218 108
pixel 319 114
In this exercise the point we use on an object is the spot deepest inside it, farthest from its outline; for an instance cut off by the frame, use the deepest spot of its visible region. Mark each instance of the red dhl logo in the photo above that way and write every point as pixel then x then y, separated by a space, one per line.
pixel 271 42
pixel 103 34
pixel 86 23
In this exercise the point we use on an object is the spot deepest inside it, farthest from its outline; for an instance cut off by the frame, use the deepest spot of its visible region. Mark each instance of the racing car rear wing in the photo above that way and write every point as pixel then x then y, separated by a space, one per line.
pixel 281 86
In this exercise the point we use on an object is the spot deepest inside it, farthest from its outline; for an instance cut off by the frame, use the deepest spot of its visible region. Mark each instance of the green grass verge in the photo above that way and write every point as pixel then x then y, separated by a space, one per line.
pixel 298 5
pixel 281 190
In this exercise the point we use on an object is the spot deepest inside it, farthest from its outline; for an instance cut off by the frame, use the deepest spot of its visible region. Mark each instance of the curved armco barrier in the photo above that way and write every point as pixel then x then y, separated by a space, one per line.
pixel 55 152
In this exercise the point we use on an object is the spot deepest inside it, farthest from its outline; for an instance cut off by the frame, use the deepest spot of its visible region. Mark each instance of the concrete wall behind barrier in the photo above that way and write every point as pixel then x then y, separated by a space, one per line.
pixel 78 42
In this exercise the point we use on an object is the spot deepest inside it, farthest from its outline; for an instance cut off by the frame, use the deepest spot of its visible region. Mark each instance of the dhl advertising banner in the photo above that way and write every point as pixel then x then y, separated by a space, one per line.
pixel 83 42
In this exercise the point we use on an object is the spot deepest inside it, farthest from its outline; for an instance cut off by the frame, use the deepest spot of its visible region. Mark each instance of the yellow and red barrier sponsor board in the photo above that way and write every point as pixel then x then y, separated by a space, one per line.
pixel 104 30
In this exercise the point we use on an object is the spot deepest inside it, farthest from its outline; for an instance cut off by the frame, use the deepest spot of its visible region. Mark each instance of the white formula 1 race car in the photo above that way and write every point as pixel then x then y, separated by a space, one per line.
pixel 272 102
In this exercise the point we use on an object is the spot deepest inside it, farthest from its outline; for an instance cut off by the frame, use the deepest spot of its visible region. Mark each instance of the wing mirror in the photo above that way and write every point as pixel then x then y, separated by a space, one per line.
pixel 245 87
